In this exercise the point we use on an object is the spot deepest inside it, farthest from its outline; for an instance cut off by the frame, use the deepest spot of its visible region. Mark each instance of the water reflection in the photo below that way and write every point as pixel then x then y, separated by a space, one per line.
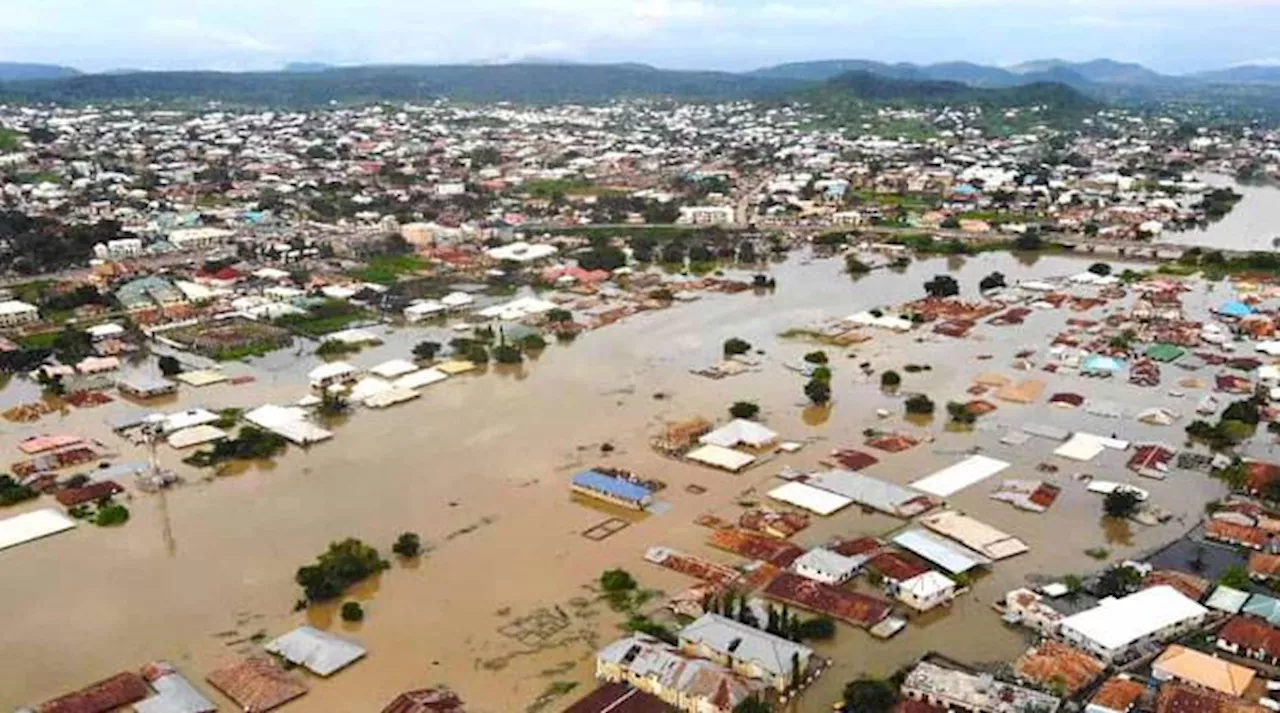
pixel 1117 531
pixel 814 415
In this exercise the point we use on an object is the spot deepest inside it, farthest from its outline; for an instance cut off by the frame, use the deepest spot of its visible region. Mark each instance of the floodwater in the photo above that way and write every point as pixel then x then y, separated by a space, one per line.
pixel 1252 225
pixel 500 607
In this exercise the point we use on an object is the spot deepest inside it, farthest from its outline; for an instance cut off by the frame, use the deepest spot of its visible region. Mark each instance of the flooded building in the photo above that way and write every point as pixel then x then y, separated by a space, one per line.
pixel 1116 626
pixel 746 650
pixel 689 684
pixel 955 689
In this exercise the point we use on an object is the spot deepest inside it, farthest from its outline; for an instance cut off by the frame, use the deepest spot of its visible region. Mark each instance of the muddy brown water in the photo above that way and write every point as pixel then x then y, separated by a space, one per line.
pixel 501 606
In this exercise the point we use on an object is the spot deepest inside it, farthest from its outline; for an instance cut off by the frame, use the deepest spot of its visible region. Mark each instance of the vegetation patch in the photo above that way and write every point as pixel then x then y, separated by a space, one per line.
pixel 337 569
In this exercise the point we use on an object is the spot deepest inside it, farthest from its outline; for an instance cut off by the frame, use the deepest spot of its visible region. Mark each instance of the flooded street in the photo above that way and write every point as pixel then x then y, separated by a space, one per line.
pixel 500 606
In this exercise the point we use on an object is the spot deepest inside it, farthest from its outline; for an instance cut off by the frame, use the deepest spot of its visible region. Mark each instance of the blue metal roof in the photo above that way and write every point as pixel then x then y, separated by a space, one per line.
pixel 1235 309
pixel 617 487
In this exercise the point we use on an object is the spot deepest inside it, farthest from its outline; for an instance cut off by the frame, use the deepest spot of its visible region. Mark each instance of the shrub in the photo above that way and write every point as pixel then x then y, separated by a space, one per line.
pixel 341 566
pixel 169 366
pixel 736 346
pixel 352 612
pixel 818 391
pixel 533 342
pixel 507 354
pixel 744 409
pixel 818 357
pixel 920 405
pixel 408 544
pixel 1121 503
pixel 111 514
pixel 890 380
pixel 426 350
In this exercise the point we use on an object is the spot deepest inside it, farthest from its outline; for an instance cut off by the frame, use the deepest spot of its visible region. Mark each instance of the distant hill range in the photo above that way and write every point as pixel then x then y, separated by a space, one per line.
pixel 1051 81
pixel 25 71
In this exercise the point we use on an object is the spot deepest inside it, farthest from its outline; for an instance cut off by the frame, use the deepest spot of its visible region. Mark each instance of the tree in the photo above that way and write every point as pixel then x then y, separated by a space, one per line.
pixel 408 544
pixel 1101 269
pixel 1121 503
pixel 869 695
pixel 617 580
pixel 559 315
pixel 111 514
pixel 333 403
pixel 816 357
pixel 890 380
pixel 942 286
pixel 533 343
pixel 819 628
pixel 1117 582
pixel 744 409
pixel 818 391
pixel 854 266
pixel 753 705
pixel 341 566
pixel 1028 242
pixel 1236 577
pixel 735 346
pixel 507 354
pixel 920 405
pixel 822 373
pixel 169 366
pixel 426 350
pixel 352 612
pixel 960 413
pixel 993 281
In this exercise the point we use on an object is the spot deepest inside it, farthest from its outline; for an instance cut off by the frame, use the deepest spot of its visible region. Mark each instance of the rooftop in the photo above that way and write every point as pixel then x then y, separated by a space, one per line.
pixel 1116 623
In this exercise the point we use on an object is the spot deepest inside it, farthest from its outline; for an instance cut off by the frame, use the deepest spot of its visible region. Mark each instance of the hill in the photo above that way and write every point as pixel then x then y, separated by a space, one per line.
pixel 26 71
pixel 1244 74
pixel 1098 71
pixel 526 83
pixel 873 87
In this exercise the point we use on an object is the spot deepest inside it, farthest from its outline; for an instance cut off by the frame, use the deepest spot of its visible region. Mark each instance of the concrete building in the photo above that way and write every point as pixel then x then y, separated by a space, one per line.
pixel 1116 626
pixel 954 689
pixel 690 684
pixel 926 591
pixel 14 313
pixel 746 650
pixel 823 565
pixel 118 249
pixel 199 238
pixel 706 215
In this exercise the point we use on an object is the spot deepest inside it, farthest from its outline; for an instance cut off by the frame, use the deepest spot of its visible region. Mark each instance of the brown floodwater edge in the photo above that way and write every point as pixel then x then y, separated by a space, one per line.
pixel 501 606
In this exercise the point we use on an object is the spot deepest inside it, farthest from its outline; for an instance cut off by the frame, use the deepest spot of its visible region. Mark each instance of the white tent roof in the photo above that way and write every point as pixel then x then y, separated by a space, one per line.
pixel 721 457
pixel 810 498
pixel 1116 623
pixel 288 421
pixel 954 478
pixel 392 369
pixel 320 652
pixel 32 526
pixel 740 431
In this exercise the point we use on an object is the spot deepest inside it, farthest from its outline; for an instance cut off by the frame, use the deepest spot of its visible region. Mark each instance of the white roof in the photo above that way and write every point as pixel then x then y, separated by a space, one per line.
pixel 884 321
pixel 354 336
pixel 102 331
pixel 740 431
pixel 392 369
pixel 820 559
pixel 1116 623
pixel 320 652
pixel 518 308
pixel 929 584
pixel 16 307
pixel 1086 446
pixel 957 477
pixel 32 526
pixel 203 377
pixel 196 435
pixel 939 550
pixel 1271 348
pixel 288 421
pixel 810 498
pixel 186 419
pixel 721 457
pixel 457 299
pixel 419 379
pixel 424 307
pixel 521 252
pixel 331 370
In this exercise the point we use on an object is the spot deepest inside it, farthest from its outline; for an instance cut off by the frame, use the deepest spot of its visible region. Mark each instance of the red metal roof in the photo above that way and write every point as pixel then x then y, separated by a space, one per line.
pixel 852 607
pixel 109 694
pixel 427 700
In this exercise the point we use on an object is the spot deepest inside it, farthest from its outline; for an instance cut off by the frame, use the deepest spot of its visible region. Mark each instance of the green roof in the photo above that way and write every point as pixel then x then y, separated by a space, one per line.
pixel 1165 352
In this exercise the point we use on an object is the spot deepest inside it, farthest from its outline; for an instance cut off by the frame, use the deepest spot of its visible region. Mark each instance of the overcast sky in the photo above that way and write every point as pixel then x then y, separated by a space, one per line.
pixel 1169 35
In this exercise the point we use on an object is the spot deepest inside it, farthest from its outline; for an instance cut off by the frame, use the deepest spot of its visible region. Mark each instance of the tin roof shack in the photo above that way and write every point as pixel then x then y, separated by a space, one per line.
pixel 822 565
pixel 1181 698
pixel 851 607
pixel 1191 586
pixel 874 493
pixel 174 693
pixel 954 688
pixel 1253 638
pixel 256 684
pixel 427 700
pixel 1190 666
pixel 1117 626
pixel 141 386
pixel 1118 694
pixel 1055 666
pixel 612 489
pixel 106 695
pixel 320 652
pixel 690 684
pixel 746 650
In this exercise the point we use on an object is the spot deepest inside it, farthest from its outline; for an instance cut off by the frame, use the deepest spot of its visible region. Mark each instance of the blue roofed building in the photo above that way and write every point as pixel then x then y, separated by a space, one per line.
pixel 612 489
